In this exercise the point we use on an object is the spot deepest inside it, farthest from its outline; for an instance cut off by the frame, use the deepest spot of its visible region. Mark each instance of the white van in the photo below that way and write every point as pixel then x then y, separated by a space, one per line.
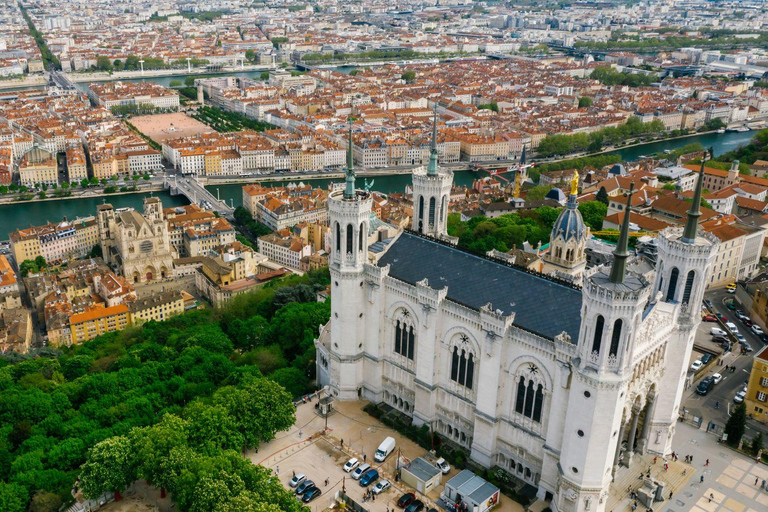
pixel 385 448
pixel 360 470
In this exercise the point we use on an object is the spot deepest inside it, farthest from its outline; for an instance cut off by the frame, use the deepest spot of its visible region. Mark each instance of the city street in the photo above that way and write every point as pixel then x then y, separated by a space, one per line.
pixel 722 394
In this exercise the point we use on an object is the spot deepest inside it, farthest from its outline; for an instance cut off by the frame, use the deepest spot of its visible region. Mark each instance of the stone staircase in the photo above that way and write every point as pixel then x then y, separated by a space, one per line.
pixel 673 479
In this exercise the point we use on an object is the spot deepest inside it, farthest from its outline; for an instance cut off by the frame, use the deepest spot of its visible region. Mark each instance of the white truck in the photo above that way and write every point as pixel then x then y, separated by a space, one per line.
pixel 385 448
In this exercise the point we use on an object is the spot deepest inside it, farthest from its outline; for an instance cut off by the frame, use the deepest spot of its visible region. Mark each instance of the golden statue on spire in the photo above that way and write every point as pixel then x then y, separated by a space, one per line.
pixel 575 183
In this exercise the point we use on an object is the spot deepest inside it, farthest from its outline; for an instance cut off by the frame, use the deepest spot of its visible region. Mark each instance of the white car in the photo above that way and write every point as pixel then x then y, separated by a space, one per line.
pixel 297 479
pixel 351 464
pixel 732 327
pixel 714 331
pixel 757 330
pixel 716 378
pixel 740 396
pixel 381 486
pixel 696 365
pixel 443 466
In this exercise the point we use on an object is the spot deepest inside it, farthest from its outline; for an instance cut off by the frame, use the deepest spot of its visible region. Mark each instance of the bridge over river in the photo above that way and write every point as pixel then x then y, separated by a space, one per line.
pixel 196 194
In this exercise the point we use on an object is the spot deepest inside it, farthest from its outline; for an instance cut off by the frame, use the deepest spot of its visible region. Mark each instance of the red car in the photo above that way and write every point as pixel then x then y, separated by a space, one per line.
pixel 406 499
pixel 709 318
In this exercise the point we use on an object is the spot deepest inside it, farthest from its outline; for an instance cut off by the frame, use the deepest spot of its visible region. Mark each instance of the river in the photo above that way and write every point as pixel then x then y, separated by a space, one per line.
pixel 20 215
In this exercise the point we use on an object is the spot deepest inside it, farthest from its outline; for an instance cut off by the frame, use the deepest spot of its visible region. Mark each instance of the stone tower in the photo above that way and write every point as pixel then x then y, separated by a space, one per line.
pixel 431 193
pixel 568 240
pixel 685 259
pixel 612 306
pixel 349 211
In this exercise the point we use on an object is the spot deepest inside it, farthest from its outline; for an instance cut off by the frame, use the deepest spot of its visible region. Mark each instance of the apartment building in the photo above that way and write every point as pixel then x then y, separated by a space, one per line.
pixel 144 161
pixel 112 94
pixel 193 232
pixel 8 282
pixel 158 307
pixel 76 166
pixel 97 321
pixel 38 167
pixel 280 213
pixel 284 248
pixel 756 400
pixel 54 242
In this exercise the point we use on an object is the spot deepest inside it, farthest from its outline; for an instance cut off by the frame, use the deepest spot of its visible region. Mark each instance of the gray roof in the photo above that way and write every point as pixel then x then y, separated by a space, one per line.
pixel 541 305
pixel 422 469
pixel 472 487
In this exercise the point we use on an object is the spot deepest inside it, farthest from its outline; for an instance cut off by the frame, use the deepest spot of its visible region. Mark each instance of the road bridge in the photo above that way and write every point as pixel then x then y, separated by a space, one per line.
pixel 196 193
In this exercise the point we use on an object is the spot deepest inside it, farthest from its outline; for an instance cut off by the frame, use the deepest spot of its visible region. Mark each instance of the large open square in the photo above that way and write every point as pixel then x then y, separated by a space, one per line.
pixel 161 127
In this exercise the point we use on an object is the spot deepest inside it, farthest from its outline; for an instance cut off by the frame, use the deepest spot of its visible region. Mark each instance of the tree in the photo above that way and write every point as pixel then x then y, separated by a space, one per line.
pixel 264 75
pixel 44 501
pixel 712 152
pixel 174 83
pixel 736 425
pixel 110 467
pixel 103 63
pixel 602 196
pixel 757 444
pixel 593 213
pixel 189 81
pixel 408 76
pixel 84 182
pixel 211 429
pixel 96 252
pixel 3 189
pixel 40 262
pixel 13 497
pixel 292 379
pixel 585 102
pixel 537 193
pixel 118 64
pixel 250 55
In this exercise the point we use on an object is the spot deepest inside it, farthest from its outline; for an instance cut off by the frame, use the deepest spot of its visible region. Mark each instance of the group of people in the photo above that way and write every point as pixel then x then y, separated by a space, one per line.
pixel 369 495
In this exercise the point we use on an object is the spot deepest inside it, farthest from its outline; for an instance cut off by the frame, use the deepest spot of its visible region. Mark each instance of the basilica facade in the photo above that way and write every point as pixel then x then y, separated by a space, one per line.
pixel 556 382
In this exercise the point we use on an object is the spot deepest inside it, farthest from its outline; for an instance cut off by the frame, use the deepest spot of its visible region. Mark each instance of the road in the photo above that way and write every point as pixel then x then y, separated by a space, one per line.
pixel 723 393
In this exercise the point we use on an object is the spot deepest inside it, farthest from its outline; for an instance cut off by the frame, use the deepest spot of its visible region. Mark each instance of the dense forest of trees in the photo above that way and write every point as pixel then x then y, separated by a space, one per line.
pixel 173 402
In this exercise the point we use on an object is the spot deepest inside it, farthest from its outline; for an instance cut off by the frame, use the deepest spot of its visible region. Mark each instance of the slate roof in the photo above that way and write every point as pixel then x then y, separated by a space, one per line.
pixel 541 305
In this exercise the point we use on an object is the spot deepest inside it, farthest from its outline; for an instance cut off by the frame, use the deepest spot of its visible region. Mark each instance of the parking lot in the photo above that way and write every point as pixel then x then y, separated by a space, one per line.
pixel 717 404
pixel 322 457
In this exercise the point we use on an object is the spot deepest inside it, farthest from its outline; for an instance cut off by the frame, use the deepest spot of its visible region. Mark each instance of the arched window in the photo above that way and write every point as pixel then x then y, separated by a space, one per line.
pixel 362 229
pixel 350 239
pixel 688 287
pixel 615 338
pixel 598 334
pixel 530 399
pixel 672 284
pixel 420 227
pixel 443 207
pixel 431 211
pixel 520 396
pixel 405 339
pixel 338 238
pixel 462 367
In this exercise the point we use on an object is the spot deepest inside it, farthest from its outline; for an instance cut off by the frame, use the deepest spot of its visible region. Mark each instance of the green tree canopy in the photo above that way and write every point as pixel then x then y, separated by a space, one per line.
pixel 736 425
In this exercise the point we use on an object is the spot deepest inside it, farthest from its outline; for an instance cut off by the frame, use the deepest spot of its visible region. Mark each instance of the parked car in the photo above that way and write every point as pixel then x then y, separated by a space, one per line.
pixel 732 327
pixel 757 330
pixel 740 338
pixel 708 303
pixel 443 466
pixel 739 396
pixel 360 470
pixel 706 358
pixel 740 314
pixel 722 318
pixel 716 378
pixel 746 347
pixel 704 386
pixel 415 506
pixel 297 479
pixel 304 487
pixel 406 499
pixel 714 331
pixel 351 464
pixel 696 366
pixel 709 318
pixel 369 477
pixel 720 339
pixel 381 486
pixel 748 322
pixel 311 494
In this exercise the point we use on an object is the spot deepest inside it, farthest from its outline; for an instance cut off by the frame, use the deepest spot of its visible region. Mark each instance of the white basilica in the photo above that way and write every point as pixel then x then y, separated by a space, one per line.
pixel 555 382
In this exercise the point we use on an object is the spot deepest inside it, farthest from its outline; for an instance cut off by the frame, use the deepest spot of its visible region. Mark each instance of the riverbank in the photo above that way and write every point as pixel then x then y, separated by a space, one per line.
pixel 10 200
pixel 26 81
pixel 155 73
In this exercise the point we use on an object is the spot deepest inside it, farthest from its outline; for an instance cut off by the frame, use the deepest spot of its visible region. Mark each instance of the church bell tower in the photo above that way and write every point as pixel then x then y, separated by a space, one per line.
pixel 432 193
pixel 349 211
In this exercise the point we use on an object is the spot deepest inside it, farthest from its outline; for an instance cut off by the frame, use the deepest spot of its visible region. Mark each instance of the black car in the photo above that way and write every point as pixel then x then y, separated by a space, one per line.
pixel 705 358
pixel 415 506
pixel 705 385
pixel 310 494
pixel 406 499
pixel 304 487
pixel 708 303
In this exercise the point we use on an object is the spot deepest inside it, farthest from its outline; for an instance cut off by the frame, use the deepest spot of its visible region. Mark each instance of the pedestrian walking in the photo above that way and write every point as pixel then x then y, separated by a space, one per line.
pixel 706 463
pixel 365 457
pixel 670 495
pixel 701 479
pixel 326 482
pixel 300 433
pixel 294 474
pixel 277 469
pixel 762 485
pixel 666 466
pixel 690 459
pixel 756 480
pixel 710 497
pixel 654 460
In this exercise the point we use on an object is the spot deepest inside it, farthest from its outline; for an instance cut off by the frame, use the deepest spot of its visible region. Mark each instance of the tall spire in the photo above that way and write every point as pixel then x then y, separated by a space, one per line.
pixel 620 255
pixel 349 190
pixel 432 167
pixel 522 157
pixel 689 233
